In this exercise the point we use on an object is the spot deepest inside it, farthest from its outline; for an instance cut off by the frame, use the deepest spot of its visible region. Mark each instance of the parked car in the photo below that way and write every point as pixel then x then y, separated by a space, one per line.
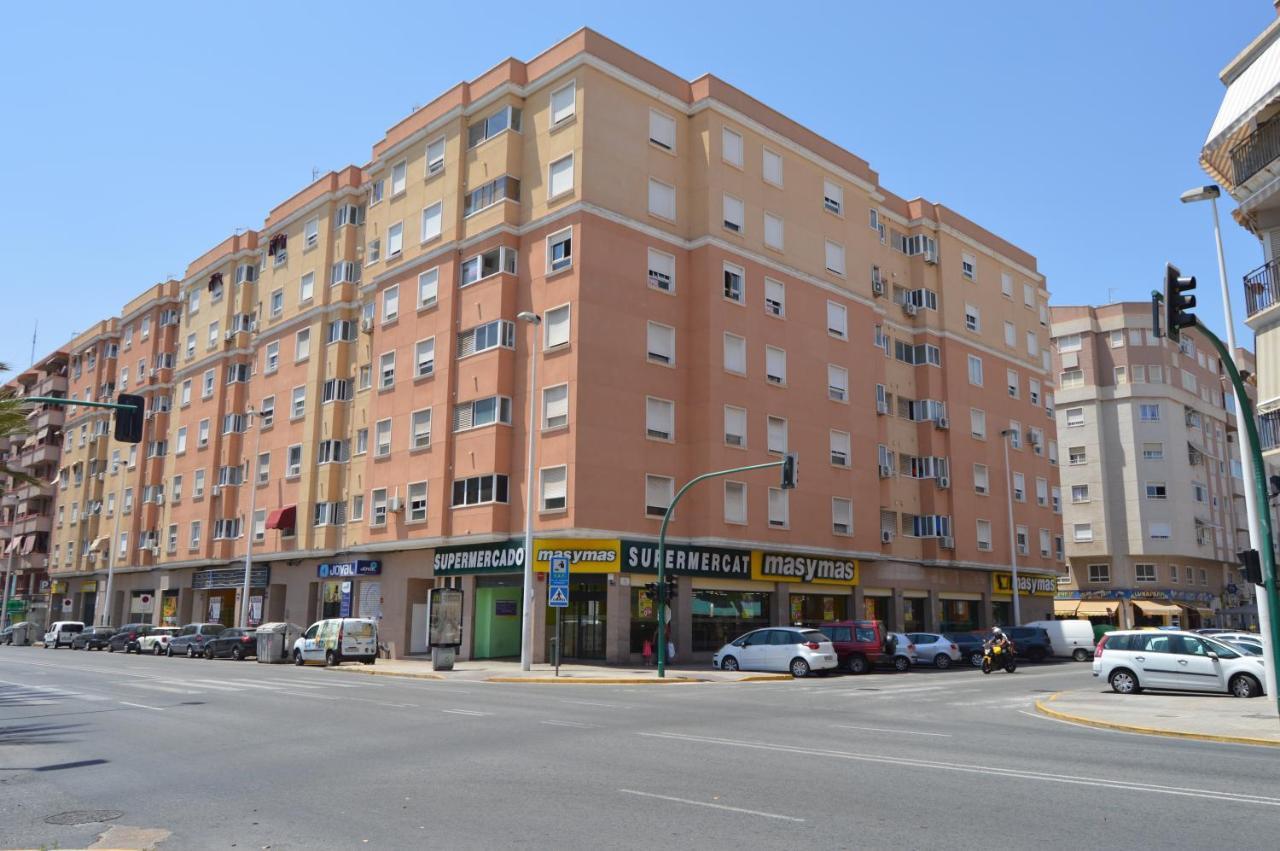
pixel 1030 642
pixel 936 649
pixel 1249 648
pixel 157 640
pixel 335 640
pixel 1236 635
pixel 969 644
pixel 799 650
pixel 860 645
pixel 1214 630
pixel 1133 660
pixel 190 639
pixel 1071 639
pixel 93 638
pixel 126 637
pixel 61 632
pixel 236 642
pixel 904 653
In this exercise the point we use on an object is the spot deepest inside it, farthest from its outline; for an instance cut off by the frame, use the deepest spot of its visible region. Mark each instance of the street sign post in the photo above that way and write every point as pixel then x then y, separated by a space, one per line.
pixel 558 597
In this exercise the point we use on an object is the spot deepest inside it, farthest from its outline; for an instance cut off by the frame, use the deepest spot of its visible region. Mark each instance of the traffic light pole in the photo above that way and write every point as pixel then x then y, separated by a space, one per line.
pixel 84 403
pixel 662 547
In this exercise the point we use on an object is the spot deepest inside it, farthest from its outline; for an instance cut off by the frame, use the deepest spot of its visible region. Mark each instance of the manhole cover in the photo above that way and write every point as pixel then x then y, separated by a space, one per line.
pixel 84 816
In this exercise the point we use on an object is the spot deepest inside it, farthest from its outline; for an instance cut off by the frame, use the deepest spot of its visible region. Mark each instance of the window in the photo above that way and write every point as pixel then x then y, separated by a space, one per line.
pixel 554 488
pixel 981 479
pixel 306 287
pixel 1006 284
pixel 378 507
pixel 773 231
pixel 277 304
pixel 837 320
pixel 555 406
pixel 1079 493
pixel 197 485
pixel 267 412
pixel 733 213
pixel 362 441
pixel 735 354
pixel 420 429
pixel 662 130
pixel 505 188
pixel 662 200
pixel 777 435
pixel 432 221
pixel 556 327
pixel 1153 451
pixel 1082 533
pixel 202 434
pixel 1071 378
pixel 1028 295
pixel 293 461
pixel 424 357
pixel 778 508
pixel 1158 531
pixel 775 365
pixel 428 288
pixel 341 331
pixel 1010 335
pixel 332 451
pixel 1020 536
pixel 735 503
pixel 731 146
pixel 832 198
pixel 485 411
pixel 375 191
pixel 661 343
pixel 841 516
pixel 662 270
pixel 733 288
pixel 735 426
pixel 479 490
pixel 835 257
pixel 1033 344
pixel 194 540
pixel 1012 380
pixel 1015 434
pixel 978 423
pixel 771 167
pixel 560 177
pixel 302 345
pixel 357 507
pixel 972 318
pixel 1100 573
pixel 213 335
pixel 1149 412
pixel 840 445
pixel 563 103
pixel 975 370
pixel 264 468
pixel 1019 487
pixel 391 303
pixel 775 297
pixel 344 272
pixel 1156 490
pixel 298 405
pixel 837 383
pixel 984 535
pixel 180 445
pixel 382 438
pixel 1076 455
pixel 660 418
pixel 399 172
pixel 387 370
pixel 968 266
pixel 490 263
pixel 560 250
pixel 1075 417
pixel 658 491
pixel 435 157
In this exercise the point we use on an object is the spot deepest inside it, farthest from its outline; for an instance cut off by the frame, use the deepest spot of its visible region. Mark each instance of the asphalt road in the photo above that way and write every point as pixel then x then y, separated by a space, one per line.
pixel 219 754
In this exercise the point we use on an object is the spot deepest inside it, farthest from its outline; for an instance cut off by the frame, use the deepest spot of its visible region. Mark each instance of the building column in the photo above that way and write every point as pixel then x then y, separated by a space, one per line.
pixel 617 644
pixel 931 615
pixel 895 610
pixel 780 609
pixel 985 620
pixel 856 600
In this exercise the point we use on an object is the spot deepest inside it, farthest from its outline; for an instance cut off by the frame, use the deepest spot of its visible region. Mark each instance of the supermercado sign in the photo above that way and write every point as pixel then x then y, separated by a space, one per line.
pixel 681 559
pixel 497 557
pixel 788 567
pixel 585 555
pixel 1036 586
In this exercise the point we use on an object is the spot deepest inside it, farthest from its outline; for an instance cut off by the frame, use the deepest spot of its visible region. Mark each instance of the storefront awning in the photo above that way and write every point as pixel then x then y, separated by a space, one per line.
pixel 1149 607
pixel 8 545
pixel 1096 608
pixel 97 543
pixel 29 544
pixel 13 544
pixel 1065 607
pixel 283 518
pixel 1200 610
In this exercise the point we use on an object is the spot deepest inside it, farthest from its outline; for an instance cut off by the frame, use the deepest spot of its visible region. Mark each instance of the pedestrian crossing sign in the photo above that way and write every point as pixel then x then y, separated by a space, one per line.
pixel 558 597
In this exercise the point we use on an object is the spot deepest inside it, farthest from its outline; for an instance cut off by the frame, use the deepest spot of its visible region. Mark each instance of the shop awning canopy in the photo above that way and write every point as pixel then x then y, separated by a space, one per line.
pixel 1200 610
pixel 97 543
pixel 29 544
pixel 283 518
pixel 1094 608
pixel 1150 607
pixel 1065 607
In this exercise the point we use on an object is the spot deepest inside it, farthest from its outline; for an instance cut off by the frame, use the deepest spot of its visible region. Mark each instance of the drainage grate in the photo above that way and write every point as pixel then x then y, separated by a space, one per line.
pixel 84 816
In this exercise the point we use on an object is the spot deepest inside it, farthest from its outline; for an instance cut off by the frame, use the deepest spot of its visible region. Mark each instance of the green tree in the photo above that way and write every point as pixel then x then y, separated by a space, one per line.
pixel 13 425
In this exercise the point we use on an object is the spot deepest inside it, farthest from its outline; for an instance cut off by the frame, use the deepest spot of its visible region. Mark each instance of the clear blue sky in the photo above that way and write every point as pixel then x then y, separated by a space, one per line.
pixel 136 136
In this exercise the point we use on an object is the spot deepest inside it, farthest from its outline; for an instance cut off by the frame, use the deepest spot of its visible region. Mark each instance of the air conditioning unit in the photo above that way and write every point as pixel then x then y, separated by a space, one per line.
pixel 91 555
pixel 931 255
pixel 882 407
pixel 155 550
pixel 877 288
pixel 942 422
pixel 366 325
pixel 885 472
pixel 948 542
pixel 149 415
pixel 229 336
pixel 1033 438
pixel 944 481
pixel 909 308
pixel 886 537
pixel 395 504
pixel 215 490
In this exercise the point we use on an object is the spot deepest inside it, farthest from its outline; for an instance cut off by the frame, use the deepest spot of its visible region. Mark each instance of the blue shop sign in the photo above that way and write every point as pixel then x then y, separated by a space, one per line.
pixel 349 568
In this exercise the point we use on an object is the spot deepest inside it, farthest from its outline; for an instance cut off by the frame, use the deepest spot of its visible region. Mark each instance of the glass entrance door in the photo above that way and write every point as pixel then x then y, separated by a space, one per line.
pixel 582 622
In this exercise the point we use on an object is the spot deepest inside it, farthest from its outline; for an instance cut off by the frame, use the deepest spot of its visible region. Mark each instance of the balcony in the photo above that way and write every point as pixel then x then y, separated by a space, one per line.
pixel 46 416
pixel 1255 152
pixel 32 523
pixel 1261 288
pixel 1269 430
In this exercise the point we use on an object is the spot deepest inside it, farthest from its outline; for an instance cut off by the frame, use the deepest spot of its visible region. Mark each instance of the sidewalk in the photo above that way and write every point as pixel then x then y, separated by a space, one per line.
pixel 1214 718
pixel 497 671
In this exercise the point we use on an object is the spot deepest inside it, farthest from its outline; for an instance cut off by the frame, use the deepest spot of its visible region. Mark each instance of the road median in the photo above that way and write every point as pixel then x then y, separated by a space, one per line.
pixel 1206 718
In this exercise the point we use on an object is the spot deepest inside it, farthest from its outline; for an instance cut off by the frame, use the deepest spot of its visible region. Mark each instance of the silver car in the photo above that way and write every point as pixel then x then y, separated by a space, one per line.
pixel 795 649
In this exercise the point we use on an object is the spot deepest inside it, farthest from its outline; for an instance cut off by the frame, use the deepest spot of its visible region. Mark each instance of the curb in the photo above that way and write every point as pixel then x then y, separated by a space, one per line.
pixel 371 673
pixel 596 681
pixel 764 678
pixel 1149 731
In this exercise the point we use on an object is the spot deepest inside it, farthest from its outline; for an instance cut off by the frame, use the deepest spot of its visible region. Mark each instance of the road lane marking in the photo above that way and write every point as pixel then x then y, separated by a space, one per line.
pixel 156 687
pixel 141 706
pixel 580 724
pixel 970 768
pixel 204 684
pixel 887 730
pixel 465 712
pixel 709 805
pixel 597 703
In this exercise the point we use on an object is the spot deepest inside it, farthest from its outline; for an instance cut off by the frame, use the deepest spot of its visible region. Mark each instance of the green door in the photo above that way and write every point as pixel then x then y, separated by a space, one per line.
pixel 497 622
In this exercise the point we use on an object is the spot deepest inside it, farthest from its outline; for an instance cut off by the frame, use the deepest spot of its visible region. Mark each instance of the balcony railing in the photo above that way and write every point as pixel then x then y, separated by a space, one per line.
pixel 1262 287
pixel 1255 152
pixel 1269 430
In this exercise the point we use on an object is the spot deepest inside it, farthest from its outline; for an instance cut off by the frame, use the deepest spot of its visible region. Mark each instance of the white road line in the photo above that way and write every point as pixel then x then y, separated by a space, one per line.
pixel 141 706
pixel 892 692
pixel 465 712
pixel 887 730
pixel 553 723
pixel 156 687
pixel 1016 773
pixel 246 684
pixel 596 703
pixel 710 805
pixel 206 684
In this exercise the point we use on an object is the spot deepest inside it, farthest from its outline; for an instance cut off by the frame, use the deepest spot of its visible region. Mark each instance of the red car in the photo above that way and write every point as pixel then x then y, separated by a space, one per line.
pixel 860 645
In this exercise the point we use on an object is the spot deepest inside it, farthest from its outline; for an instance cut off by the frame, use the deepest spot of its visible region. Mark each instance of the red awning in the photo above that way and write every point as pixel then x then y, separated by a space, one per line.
pixel 283 518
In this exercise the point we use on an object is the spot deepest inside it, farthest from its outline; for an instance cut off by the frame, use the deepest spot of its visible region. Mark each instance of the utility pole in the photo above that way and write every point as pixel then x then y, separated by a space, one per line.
pixel 251 467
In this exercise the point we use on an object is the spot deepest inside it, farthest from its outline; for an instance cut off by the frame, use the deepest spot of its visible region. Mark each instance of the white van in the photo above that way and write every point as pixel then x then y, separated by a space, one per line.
pixel 335 640
pixel 1070 639
pixel 62 632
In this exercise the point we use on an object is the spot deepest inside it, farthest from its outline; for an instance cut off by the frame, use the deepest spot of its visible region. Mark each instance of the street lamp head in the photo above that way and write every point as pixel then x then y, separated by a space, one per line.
pixel 528 316
pixel 1201 193
pixel 1005 432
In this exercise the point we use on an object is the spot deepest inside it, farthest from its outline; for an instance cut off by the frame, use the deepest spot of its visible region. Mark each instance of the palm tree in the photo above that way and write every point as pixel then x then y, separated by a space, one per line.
pixel 13 425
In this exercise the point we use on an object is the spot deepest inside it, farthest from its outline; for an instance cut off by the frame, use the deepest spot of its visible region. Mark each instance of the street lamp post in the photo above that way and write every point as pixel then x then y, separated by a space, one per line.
pixel 526 618
pixel 1257 540
pixel 103 615
pixel 1013 536
pixel 253 496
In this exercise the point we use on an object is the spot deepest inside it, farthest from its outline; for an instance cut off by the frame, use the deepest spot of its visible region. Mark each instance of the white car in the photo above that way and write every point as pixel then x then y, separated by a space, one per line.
pixel 937 650
pixel 335 640
pixel 62 632
pixel 1132 660
pixel 778 648
pixel 157 640
pixel 904 652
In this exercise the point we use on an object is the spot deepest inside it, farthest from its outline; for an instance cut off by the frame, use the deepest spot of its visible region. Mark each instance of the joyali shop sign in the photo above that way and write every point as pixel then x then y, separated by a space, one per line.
pixel 1035 586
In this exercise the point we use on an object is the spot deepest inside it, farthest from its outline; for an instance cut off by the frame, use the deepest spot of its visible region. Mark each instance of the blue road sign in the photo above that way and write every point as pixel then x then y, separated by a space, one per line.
pixel 558 585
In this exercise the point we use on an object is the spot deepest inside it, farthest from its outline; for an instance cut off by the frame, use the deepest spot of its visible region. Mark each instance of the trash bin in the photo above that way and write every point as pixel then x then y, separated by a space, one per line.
pixel 22 634
pixel 275 642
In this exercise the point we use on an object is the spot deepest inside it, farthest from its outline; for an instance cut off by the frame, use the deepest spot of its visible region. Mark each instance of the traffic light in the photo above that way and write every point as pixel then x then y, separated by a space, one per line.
pixel 671 589
pixel 1178 302
pixel 129 420
pixel 789 471
pixel 1251 565
pixel 652 590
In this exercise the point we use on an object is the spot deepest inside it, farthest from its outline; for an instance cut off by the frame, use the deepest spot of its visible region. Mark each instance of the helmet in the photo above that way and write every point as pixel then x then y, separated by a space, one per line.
pixel 995 630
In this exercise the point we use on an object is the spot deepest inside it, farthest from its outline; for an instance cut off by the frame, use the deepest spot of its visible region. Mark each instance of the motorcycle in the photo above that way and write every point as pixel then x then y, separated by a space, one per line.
pixel 995 656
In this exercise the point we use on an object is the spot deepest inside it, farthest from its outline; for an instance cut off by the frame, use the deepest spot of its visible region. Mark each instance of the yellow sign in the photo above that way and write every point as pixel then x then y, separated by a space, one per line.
pixel 585 555
pixel 91 585
pixel 1032 586
pixel 821 570
pixel 58 588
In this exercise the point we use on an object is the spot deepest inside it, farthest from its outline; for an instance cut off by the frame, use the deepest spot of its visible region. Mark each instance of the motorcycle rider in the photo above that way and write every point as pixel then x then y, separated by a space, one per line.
pixel 999 639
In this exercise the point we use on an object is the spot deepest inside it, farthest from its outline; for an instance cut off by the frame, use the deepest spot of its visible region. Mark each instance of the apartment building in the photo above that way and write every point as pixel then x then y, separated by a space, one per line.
pixel 703 284
pixel 27 509
pixel 1154 505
